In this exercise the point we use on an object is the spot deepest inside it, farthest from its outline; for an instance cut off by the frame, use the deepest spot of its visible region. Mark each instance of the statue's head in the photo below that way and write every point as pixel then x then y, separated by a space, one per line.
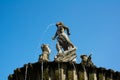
pixel 84 57
pixel 45 47
pixel 59 24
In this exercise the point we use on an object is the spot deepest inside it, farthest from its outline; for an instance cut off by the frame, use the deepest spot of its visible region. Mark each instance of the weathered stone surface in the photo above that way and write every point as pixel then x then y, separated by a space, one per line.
pixel 67 56
pixel 62 71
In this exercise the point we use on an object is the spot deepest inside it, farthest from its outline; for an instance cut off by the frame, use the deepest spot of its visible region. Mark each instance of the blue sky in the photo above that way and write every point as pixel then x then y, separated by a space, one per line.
pixel 26 24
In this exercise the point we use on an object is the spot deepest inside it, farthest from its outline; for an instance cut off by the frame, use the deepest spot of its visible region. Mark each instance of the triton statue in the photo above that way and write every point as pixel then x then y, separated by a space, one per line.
pixel 64 45
pixel 62 38
pixel 45 53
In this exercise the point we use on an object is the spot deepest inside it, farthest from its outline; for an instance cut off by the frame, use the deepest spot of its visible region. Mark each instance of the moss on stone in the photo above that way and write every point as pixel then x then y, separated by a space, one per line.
pixel 100 76
pixel 45 75
pixel 56 74
pixel 108 79
pixel 70 75
pixel 81 76
pixel 91 76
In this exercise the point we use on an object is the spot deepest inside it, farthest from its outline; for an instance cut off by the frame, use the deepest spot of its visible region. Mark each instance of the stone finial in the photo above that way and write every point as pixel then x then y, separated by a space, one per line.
pixel 86 60
pixel 45 53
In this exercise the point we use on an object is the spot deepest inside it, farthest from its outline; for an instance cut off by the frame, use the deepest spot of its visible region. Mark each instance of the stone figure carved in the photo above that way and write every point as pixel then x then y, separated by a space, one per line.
pixel 45 53
pixel 62 38
pixel 59 48
pixel 86 60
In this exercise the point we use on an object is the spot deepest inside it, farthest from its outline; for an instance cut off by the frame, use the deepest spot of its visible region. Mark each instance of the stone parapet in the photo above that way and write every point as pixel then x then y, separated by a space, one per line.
pixel 62 71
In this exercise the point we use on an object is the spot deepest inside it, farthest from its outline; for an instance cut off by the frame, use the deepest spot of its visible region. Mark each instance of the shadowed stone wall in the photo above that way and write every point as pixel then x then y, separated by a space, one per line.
pixel 62 71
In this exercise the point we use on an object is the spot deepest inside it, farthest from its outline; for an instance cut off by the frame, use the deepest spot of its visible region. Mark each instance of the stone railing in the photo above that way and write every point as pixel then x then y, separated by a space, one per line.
pixel 62 71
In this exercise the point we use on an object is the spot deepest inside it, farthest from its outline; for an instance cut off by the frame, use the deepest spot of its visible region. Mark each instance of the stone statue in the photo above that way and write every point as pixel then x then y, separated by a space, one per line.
pixel 45 53
pixel 59 48
pixel 62 38
pixel 86 60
